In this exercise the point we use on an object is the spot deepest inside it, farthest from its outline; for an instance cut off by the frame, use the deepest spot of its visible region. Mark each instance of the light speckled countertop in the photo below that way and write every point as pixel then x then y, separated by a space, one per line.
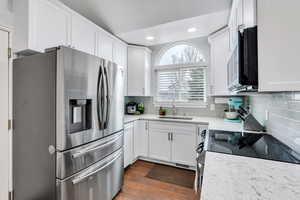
pixel 229 177
pixel 212 122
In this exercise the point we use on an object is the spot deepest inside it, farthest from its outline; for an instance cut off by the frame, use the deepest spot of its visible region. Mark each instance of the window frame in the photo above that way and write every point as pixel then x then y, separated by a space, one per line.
pixel 157 67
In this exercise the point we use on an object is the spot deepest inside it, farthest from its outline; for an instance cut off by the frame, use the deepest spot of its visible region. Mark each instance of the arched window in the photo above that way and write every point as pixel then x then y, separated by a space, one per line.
pixel 181 54
pixel 181 76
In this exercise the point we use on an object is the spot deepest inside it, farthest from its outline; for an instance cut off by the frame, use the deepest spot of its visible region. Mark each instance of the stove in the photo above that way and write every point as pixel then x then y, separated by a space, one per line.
pixel 254 145
pixel 261 146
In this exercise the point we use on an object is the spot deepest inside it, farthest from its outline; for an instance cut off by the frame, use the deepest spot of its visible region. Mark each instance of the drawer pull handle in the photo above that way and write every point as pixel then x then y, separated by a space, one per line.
pixel 83 177
pixel 85 151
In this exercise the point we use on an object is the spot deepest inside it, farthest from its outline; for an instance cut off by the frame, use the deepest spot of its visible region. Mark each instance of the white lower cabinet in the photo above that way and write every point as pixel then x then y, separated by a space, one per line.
pixel 159 145
pixel 128 144
pixel 170 142
pixel 140 138
pixel 183 148
pixel 173 142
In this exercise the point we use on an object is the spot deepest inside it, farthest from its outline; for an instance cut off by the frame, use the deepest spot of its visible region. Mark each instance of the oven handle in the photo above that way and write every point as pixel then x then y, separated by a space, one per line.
pixel 81 153
pixel 80 179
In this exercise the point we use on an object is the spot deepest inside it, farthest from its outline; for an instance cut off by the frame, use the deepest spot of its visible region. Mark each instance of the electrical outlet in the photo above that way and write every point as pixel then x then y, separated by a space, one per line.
pixel 267 115
pixel 212 107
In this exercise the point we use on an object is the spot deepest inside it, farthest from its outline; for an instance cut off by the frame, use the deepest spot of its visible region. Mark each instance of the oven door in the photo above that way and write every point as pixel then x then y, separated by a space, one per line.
pixel 103 180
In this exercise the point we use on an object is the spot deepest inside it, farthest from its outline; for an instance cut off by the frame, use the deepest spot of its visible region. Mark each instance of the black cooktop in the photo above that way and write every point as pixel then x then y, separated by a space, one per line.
pixel 262 146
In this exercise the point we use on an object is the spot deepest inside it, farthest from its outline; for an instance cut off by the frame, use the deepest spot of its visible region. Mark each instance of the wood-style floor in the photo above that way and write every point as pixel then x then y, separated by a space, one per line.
pixel 138 187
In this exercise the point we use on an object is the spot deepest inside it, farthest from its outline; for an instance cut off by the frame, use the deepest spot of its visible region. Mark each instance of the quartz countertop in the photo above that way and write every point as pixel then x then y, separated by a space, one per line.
pixel 229 177
pixel 213 123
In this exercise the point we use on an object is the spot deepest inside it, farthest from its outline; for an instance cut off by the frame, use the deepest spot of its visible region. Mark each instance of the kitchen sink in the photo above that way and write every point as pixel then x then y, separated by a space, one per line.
pixel 176 117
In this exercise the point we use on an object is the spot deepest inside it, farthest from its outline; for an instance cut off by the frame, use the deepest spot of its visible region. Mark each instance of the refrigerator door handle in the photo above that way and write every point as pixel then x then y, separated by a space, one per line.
pixel 108 99
pixel 99 97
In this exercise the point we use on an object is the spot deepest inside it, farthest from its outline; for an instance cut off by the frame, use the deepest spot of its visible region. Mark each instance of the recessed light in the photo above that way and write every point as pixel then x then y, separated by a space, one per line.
pixel 192 30
pixel 150 38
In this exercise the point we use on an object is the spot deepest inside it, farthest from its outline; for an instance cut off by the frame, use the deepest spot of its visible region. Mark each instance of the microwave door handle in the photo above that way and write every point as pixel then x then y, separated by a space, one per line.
pixel 108 99
pixel 99 99
pixel 83 177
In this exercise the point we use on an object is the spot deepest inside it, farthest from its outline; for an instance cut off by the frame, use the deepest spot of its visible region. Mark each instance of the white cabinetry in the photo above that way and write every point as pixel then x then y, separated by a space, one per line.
pixel 128 144
pixel 159 143
pixel 40 24
pixel 141 138
pixel 219 58
pixel 105 45
pixel 183 147
pixel 120 57
pixel 83 34
pixel 139 71
pixel 173 142
pixel 278 45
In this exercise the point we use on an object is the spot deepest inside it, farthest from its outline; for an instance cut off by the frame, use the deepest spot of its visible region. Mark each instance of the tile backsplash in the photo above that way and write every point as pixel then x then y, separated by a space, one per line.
pixel 283 113
pixel 150 108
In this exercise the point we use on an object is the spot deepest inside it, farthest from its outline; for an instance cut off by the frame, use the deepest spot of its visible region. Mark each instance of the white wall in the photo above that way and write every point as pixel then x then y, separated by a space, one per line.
pixel 204 47
pixel 6 15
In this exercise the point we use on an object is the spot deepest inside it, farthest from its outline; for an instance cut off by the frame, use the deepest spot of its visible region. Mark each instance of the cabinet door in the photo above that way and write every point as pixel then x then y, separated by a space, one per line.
pixel 49 25
pixel 83 34
pixel 140 138
pixel 105 46
pixel 4 106
pixel 128 144
pixel 120 57
pixel 136 71
pixel 139 71
pixel 183 148
pixel 278 45
pixel 159 145
pixel 219 59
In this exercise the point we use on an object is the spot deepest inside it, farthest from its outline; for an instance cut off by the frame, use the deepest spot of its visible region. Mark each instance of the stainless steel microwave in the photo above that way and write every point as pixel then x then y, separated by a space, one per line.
pixel 243 63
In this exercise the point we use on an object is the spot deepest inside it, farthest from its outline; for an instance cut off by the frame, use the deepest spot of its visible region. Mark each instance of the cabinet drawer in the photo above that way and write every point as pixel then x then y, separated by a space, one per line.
pixel 172 127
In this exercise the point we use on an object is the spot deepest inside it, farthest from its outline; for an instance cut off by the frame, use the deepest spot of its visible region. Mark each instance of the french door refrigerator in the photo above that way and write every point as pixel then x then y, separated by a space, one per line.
pixel 68 126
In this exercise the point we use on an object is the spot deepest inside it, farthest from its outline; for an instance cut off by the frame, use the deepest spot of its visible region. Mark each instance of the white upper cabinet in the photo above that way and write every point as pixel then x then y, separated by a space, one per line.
pixel 83 34
pixel 219 47
pixel 40 24
pixel 120 58
pixel 105 45
pixel 139 71
pixel 278 45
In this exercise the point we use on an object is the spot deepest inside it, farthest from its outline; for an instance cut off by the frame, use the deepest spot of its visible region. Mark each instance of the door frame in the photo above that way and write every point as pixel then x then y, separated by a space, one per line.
pixel 10 106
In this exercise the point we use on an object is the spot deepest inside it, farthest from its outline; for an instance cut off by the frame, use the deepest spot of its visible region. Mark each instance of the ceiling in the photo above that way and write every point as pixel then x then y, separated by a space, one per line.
pixel 177 30
pixel 125 16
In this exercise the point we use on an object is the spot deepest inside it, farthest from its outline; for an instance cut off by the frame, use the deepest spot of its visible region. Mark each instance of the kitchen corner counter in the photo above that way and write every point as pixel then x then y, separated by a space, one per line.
pixel 213 123
pixel 229 177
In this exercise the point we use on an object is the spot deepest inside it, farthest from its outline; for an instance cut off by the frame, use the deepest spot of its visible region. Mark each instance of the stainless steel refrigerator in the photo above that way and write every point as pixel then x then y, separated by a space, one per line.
pixel 68 126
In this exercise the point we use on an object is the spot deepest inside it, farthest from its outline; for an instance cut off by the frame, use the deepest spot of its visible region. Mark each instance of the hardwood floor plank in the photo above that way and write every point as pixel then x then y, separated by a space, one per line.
pixel 139 187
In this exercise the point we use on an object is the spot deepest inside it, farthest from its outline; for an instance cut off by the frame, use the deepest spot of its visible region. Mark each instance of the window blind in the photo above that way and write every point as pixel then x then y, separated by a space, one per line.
pixel 182 85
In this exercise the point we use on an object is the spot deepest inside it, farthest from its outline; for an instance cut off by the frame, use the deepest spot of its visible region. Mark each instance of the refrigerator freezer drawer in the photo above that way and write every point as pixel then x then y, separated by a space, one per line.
pixel 103 180
pixel 72 161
